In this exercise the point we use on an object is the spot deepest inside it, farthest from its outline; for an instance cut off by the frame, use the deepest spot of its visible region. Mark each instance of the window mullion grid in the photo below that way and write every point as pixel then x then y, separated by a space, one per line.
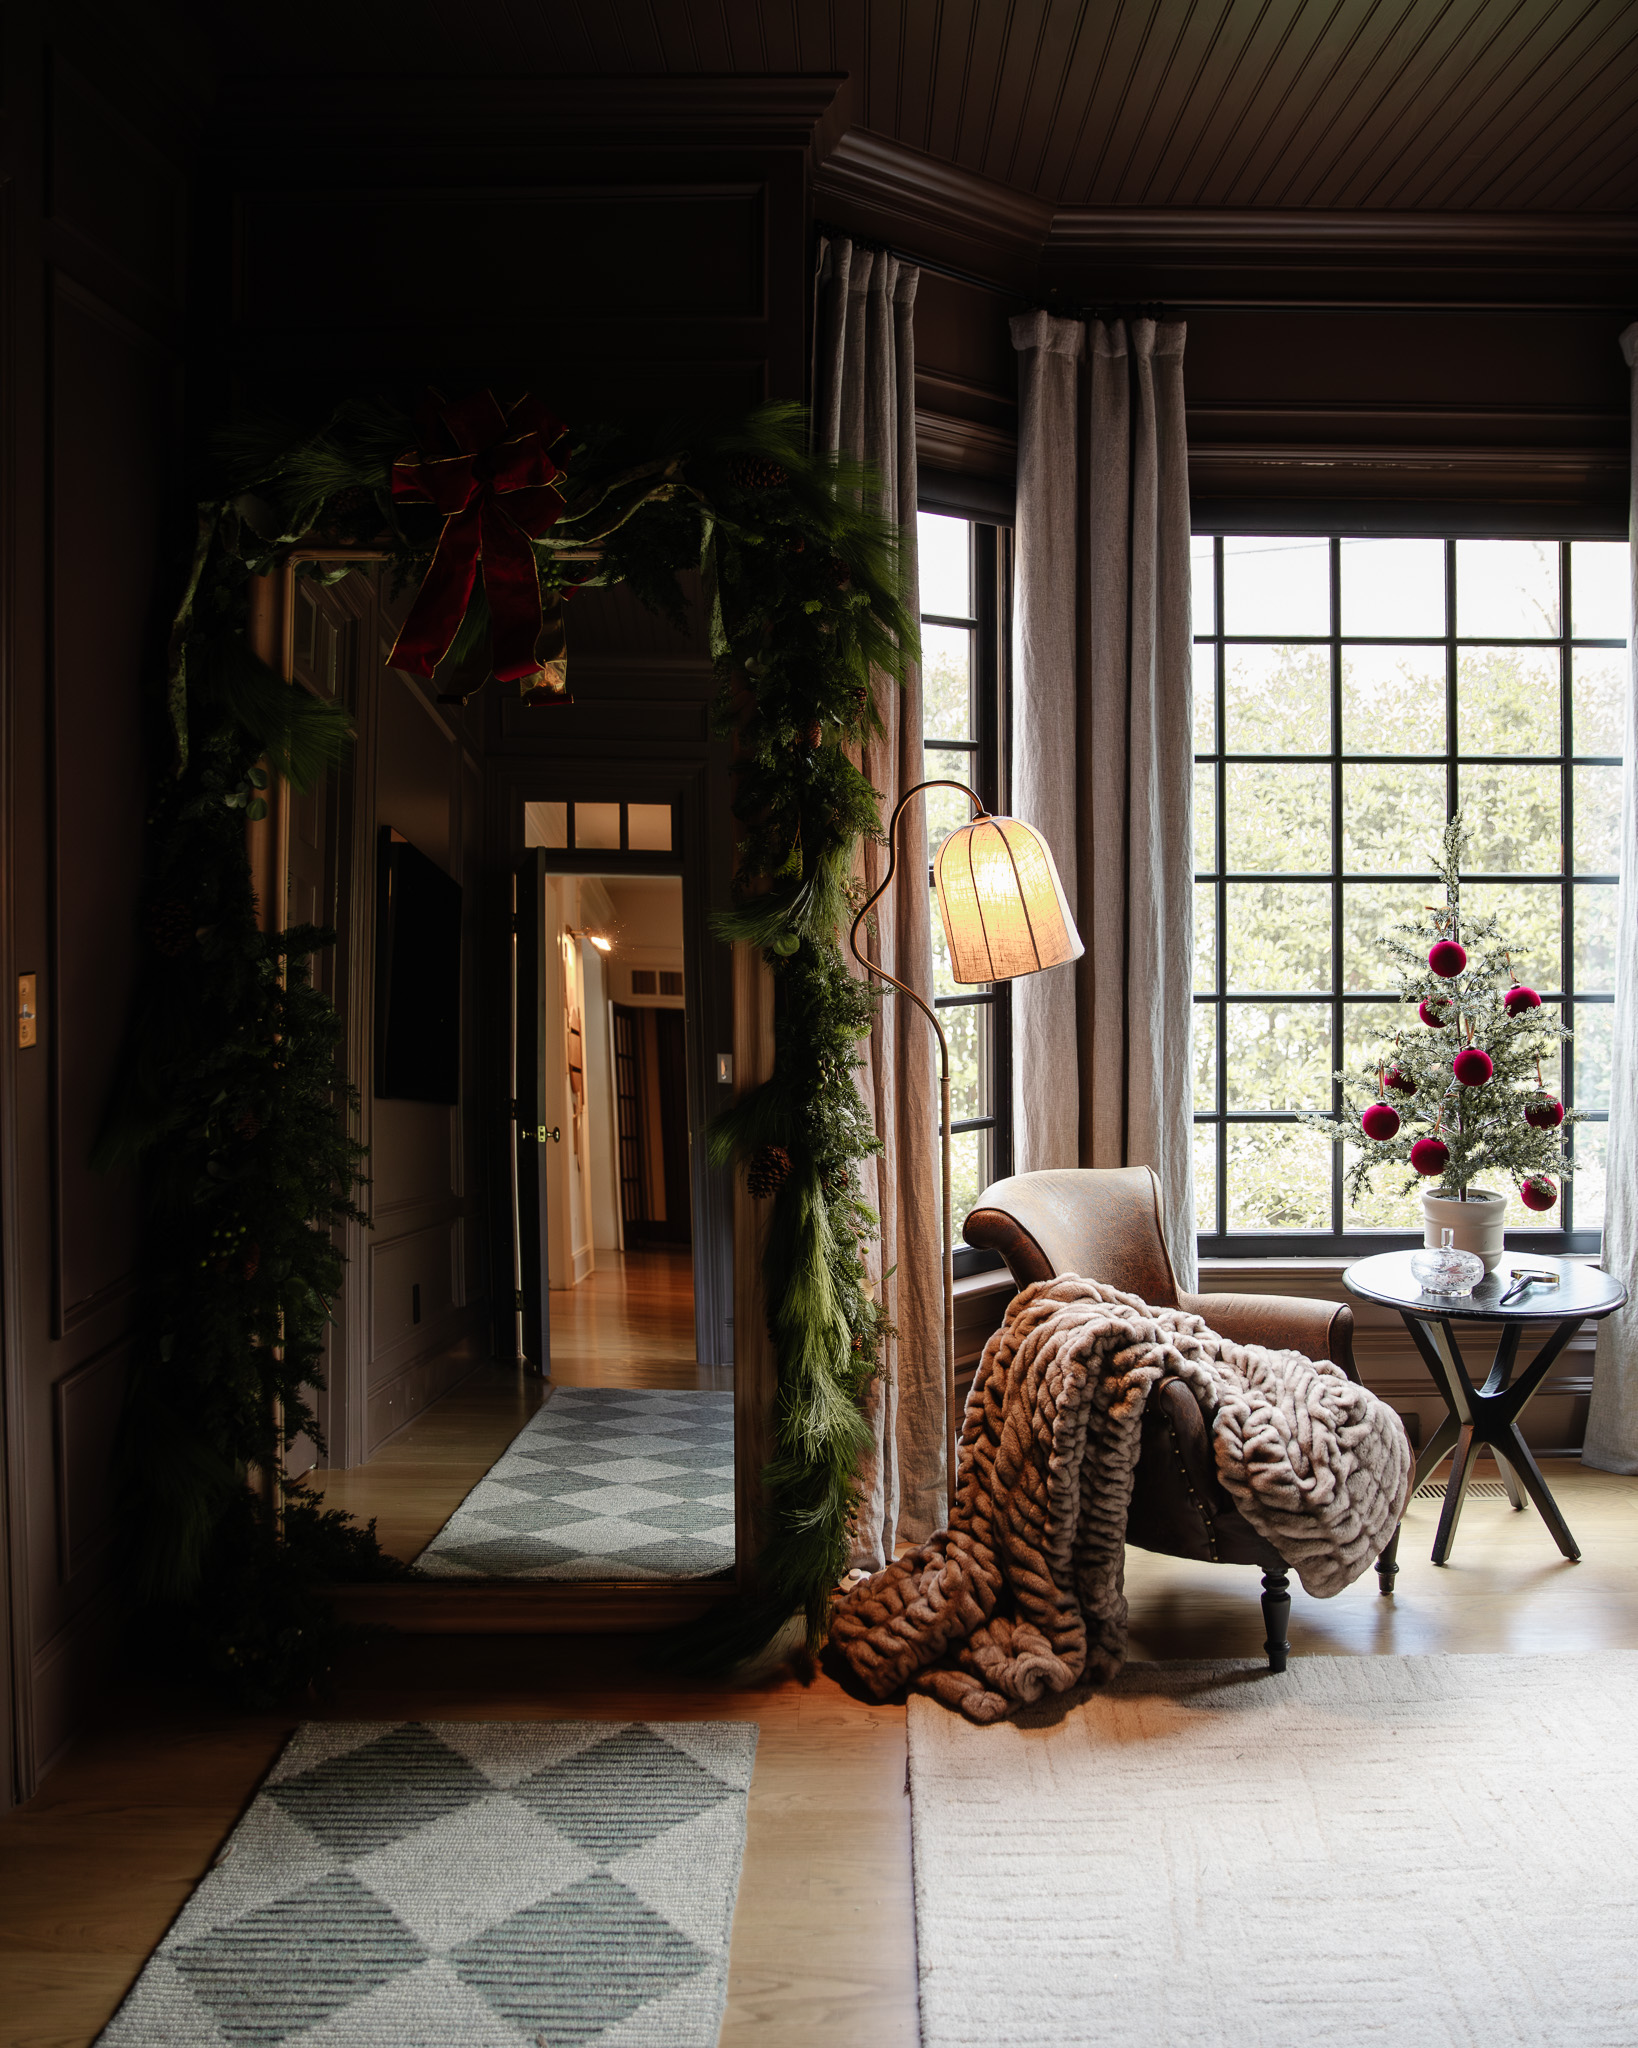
pixel 1452 791
pixel 1336 873
pixel 1566 917
pixel 1220 889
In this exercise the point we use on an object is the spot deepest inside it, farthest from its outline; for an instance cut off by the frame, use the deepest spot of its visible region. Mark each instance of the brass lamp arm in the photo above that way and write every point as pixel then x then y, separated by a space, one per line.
pixel 947 1240
pixel 871 901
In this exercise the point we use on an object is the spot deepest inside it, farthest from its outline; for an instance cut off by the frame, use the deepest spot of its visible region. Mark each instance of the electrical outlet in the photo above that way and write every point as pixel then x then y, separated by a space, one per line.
pixel 725 1069
pixel 28 1020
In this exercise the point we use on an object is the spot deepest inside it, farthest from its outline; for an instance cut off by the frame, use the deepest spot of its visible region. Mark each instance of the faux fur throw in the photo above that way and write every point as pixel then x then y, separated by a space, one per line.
pixel 1022 1594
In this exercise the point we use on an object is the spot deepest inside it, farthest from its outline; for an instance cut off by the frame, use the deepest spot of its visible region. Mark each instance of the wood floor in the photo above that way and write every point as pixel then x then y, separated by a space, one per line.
pixel 629 1324
pixel 93 1870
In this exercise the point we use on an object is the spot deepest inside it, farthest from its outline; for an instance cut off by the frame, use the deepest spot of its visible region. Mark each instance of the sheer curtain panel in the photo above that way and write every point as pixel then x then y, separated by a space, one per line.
pixel 865 386
pixel 1103 716
pixel 1612 1418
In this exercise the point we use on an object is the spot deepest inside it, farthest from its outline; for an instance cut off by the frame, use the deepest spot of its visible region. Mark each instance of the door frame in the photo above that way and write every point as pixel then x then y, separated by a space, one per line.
pixel 707 993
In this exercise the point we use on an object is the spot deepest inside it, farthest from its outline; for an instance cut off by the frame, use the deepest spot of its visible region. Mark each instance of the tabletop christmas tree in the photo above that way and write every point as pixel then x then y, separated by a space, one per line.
pixel 1459 1092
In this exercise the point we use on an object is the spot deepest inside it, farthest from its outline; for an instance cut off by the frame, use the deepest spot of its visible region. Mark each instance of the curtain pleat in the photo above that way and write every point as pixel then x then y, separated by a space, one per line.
pixel 1048 664
pixel 1104 752
pixel 1612 1417
pixel 865 406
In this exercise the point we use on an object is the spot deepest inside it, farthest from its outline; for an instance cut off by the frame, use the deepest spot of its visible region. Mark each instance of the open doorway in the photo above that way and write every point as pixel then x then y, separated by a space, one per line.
pixel 626 1469
pixel 619 1202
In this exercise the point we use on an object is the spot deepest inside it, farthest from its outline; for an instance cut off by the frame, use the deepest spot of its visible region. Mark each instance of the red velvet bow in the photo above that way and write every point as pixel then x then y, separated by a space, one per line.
pixel 496 494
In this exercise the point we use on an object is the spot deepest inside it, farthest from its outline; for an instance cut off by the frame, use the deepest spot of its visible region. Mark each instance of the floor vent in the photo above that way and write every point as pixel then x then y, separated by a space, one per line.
pixel 1477 1489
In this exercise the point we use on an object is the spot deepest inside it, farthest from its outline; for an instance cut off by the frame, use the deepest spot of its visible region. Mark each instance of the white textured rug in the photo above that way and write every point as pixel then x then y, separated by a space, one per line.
pixel 1405 1852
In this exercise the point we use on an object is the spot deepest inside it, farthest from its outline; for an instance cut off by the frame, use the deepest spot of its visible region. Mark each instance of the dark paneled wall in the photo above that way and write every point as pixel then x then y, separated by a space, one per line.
pixel 93 274
pixel 620 248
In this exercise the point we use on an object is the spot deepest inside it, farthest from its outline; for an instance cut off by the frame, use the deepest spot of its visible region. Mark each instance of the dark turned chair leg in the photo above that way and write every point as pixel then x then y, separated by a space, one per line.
pixel 1276 1613
pixel 1387 1565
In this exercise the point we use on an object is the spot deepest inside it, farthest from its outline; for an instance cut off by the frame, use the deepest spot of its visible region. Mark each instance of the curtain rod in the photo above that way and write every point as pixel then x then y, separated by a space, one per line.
pixel 1170 310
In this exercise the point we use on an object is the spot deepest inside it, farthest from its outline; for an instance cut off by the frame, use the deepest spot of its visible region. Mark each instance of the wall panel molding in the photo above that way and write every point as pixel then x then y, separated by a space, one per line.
pixel 87 1403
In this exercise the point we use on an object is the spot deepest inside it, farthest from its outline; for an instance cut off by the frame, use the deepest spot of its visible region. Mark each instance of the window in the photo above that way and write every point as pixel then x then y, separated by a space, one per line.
pixel 1349 695
pixel 965 566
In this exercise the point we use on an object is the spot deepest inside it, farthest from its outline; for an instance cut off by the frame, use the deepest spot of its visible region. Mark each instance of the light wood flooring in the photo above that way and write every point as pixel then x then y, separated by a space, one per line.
pixel 95 1867
pixel 628 1324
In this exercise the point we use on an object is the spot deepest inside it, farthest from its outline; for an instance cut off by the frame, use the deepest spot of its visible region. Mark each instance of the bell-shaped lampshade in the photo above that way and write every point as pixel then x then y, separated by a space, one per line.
pixel 1002 903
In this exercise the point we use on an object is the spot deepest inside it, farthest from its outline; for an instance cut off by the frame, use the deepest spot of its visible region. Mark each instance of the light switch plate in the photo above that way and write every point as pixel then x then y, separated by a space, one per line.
pixel 725 1069
pixel 28 1020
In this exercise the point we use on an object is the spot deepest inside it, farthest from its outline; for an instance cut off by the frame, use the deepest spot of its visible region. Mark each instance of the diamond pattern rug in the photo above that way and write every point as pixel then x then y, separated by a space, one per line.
pixel 603 1483
pixel 465 1884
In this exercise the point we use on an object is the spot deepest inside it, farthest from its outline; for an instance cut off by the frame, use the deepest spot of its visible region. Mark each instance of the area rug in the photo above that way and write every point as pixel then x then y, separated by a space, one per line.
pixel 603 1483
pixel 1406 1852
pixel 465 1884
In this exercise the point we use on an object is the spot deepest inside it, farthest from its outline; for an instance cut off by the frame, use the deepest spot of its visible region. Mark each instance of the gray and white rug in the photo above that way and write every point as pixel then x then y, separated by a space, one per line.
pixel 603 1483
pixel 1409 1852
pixel 465 1884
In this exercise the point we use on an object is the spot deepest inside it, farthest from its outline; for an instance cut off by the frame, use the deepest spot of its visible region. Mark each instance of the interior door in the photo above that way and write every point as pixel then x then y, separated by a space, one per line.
pixel 530 1132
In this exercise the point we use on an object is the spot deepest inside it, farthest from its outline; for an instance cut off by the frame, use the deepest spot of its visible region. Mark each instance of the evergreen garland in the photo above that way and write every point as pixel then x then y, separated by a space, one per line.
pixel 231 1098
pixel 1509 1125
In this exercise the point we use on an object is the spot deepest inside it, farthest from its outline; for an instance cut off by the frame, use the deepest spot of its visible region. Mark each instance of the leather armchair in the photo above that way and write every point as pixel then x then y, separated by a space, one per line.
pixel 1104 1223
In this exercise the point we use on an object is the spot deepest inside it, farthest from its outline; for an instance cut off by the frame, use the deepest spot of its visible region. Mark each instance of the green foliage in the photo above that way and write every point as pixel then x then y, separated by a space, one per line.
pixel 1483 1127
pixel 230 1096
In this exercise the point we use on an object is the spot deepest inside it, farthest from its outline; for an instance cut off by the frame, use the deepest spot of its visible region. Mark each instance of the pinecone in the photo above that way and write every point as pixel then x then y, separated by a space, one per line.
pixel 814 737
pixel 768 1171
pixel 346 504
pixel 757 473
pixel 248 1124
pixel 170 926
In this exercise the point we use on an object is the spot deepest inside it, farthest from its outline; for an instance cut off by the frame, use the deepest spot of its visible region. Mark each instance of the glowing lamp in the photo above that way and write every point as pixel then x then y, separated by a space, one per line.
pixel 1001 902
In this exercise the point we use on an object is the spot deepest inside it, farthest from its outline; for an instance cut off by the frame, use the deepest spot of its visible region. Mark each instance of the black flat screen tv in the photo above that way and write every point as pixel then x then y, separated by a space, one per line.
pixel 417 976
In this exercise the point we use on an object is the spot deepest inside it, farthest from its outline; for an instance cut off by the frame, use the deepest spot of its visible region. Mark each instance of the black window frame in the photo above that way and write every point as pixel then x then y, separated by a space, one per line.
pixel 1220 1242
pixel 990 625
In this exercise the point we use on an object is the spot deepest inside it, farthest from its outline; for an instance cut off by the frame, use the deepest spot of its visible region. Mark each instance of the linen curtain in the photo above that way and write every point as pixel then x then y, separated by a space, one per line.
pixel 865 384
pixel 1612 1418
pixel 1104 750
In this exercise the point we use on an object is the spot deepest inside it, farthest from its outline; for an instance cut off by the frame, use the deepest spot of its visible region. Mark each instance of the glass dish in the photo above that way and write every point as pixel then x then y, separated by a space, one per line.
pixel 1445 1270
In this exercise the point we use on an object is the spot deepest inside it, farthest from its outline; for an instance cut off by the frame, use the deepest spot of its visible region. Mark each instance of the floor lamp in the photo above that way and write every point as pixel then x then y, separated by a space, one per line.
pixel 1004 916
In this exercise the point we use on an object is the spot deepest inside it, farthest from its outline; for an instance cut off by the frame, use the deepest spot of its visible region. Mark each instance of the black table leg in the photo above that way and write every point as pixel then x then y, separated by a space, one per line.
pixel 1487 1417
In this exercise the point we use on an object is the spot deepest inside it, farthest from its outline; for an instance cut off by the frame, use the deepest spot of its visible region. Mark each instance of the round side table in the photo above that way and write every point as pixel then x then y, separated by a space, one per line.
pixel 1489 1414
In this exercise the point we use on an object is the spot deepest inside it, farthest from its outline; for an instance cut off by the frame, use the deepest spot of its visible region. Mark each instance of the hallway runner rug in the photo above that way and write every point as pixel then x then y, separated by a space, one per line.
pixel 603 1483
pixel 1405 1852
pixel 465 1884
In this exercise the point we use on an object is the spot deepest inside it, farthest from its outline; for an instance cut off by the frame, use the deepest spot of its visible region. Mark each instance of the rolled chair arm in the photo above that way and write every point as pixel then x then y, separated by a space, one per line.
pixel 1279 1322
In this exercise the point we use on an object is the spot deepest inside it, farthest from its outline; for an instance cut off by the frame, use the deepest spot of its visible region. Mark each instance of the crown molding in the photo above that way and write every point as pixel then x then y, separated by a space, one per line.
pixel 897 194
pixel 1254 235
pixel 951 215
pixel 808 111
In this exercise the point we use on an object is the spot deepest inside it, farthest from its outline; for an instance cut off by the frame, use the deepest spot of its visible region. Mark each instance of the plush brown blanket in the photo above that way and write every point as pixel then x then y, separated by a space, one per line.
pixel 1022 1594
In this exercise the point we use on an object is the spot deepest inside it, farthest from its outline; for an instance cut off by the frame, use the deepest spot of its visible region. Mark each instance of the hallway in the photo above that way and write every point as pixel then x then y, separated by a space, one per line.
pixel 629 1324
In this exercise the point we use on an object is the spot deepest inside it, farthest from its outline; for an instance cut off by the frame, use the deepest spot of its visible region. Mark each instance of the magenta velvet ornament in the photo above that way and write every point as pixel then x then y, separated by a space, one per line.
pixel 1399 1081
pixel 1538 1192
pixel 1446 958
pixel 1518 999
pixel 1430 1155
pixel 1546 1116
pixel 1472 1066
pixel 1435 1014
pixel 1380 1121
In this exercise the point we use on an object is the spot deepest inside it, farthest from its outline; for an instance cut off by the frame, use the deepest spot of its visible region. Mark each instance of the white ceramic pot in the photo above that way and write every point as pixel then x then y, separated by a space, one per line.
pixel 1476 1224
